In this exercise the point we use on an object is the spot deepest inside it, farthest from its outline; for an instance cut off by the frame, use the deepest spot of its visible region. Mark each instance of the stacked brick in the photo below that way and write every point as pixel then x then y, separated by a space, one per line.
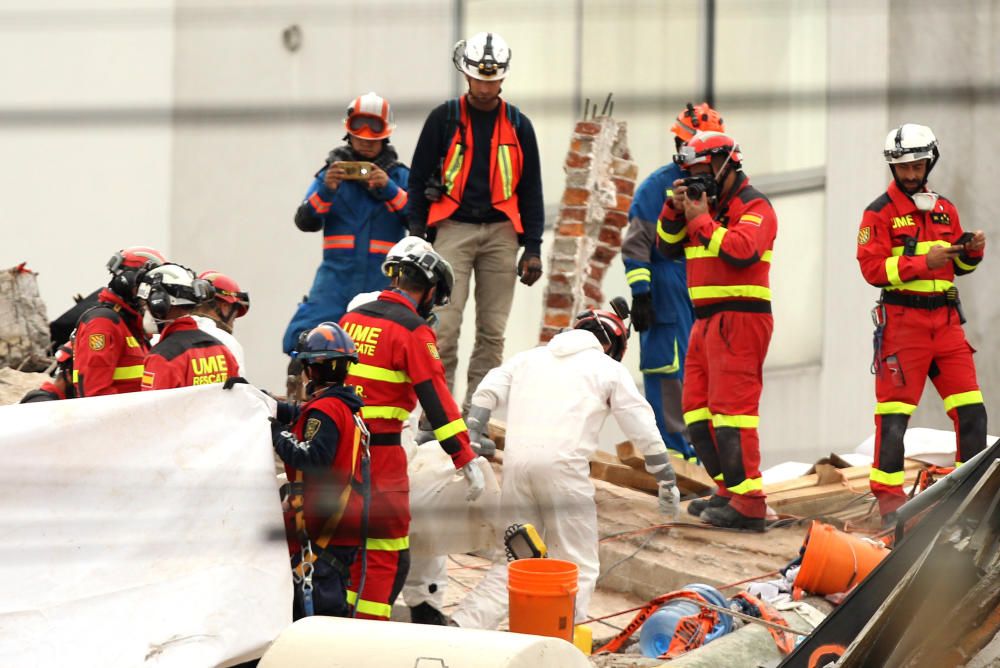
pixel 600 181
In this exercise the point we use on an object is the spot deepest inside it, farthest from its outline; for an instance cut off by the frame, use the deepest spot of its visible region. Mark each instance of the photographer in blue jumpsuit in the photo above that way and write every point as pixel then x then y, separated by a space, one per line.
pixel 362 215
pixel 661 308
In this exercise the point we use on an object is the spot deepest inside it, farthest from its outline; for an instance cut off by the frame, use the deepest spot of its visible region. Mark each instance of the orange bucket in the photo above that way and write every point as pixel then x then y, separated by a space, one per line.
pixel 835 561
pixel 542 595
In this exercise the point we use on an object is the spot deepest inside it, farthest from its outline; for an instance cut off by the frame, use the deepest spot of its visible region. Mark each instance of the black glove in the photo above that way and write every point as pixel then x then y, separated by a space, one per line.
pixel 234 380
pixel 642 311
pixel 529 268
pixel 277 429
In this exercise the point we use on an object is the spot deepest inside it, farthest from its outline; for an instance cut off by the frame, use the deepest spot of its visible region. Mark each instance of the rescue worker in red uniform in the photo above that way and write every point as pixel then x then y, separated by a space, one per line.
pixel 110 341
pixel 61 385
pixel 726 228
pixel 398 365
pixel 323 454
pixel 911 244
pixel 185 355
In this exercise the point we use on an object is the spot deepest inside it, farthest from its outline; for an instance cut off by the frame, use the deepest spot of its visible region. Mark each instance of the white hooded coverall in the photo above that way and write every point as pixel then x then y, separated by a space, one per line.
pixel 558 397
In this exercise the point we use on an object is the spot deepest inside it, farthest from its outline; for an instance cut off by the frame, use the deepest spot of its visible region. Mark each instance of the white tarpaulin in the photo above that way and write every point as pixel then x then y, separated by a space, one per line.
pixel 140 530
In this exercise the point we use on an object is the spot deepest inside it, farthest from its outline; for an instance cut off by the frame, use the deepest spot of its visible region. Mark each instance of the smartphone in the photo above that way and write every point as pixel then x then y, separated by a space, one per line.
pixel 356 171
pixel 964 239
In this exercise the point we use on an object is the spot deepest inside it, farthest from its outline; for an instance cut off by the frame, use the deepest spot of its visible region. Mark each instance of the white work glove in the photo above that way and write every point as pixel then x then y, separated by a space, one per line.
pixel 474 479
pixel 670 500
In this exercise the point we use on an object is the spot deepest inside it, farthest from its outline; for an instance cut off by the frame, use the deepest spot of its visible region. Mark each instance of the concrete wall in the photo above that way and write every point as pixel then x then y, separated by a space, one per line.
pixel 85 130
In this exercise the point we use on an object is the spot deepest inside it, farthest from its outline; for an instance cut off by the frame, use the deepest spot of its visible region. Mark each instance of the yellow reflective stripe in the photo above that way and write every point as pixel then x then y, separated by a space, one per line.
pixel 922 248
pixel 369 607
pixel 747 486
pixel 668 237
pixel 636 275
pixel 697 415
pixel 450 429
pixel 700 252
pixel 76 375
pixel 894 408
pixel 719 477
pixel 892 271
pixel 962 265
pixel 384 413
pixel 738 421
pixel 892 479
pixel 378 373
pixel 715 243
pixel 454 166
pixel 128 372
pixel 717 291
pixel 388 544
pixel 503 164
pixel 669 368
pixel 962 399
pixel 930 287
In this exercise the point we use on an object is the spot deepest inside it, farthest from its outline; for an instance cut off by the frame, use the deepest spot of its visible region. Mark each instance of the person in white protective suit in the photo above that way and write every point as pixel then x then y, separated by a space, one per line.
pixel 557 398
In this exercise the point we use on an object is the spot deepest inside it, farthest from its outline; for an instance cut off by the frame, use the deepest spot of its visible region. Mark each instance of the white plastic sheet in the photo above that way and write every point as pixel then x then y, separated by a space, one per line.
pixel 142 529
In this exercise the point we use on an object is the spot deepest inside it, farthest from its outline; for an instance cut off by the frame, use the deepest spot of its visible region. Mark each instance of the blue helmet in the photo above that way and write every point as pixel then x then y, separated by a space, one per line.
pixel 324 342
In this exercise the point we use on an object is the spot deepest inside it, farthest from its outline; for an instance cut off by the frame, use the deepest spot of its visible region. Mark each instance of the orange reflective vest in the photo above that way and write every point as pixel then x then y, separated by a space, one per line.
pixel 506 162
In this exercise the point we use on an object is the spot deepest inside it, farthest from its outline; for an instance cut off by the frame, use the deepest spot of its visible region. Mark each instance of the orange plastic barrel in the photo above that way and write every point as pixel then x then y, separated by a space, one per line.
pixel 835 561
pixel 542 595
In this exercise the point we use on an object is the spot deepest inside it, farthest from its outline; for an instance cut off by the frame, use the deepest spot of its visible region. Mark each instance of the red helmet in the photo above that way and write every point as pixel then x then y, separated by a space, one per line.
pixel 227 290
pixel 697 118
pixel 704 145
pixel 609 329
pixel 135 257
pixel 369 117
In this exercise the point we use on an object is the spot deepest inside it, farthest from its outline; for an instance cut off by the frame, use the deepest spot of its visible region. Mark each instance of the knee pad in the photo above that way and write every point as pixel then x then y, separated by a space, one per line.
pixel 730 455
pixel 971 426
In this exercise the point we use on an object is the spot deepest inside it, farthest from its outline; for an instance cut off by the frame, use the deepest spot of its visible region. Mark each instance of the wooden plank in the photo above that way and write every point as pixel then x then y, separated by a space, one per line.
pixel 623 476
pixel 497 431
pixel 819 499
pixel 630 456
pixel 691 478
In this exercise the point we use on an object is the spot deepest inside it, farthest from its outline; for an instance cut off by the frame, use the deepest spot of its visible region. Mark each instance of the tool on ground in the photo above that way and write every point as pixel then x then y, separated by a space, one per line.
pixel 523 542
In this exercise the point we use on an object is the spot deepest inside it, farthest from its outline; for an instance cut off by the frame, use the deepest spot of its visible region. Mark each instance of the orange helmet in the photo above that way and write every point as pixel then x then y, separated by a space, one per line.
pixel 697 118
pixel 227 290
pixel 704 145
pixel 369 117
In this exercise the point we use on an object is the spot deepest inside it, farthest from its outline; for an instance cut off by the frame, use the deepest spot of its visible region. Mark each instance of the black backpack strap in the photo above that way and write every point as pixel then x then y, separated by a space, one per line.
pixel 514 116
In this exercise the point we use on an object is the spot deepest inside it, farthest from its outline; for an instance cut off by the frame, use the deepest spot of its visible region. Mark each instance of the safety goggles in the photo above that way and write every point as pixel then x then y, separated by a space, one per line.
pixel 687 156
pixel 358 122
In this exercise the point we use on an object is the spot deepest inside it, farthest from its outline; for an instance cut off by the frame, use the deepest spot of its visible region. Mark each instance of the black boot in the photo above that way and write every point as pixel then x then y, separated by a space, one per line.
pixel 698 506
pixel 425 613
pixel 730 518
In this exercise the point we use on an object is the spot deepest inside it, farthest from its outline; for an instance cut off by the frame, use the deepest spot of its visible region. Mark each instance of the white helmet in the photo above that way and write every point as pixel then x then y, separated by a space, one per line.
pixel 172 285
pixel 418 253
pixel 484 56
pixel 910 142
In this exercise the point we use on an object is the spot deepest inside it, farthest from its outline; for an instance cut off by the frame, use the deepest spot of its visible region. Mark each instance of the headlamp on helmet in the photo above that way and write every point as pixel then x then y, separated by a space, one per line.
pixel 484 56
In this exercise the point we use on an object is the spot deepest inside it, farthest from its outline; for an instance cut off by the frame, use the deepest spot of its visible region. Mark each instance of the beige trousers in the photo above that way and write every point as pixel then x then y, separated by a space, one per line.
pixel 489 252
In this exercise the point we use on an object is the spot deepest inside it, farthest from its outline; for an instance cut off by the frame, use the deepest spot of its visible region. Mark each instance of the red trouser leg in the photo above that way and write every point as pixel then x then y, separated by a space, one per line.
pixel 384 578
pixel 953 373
pixel 907 351
pixel 736 344
pixel 388 542
pixel 694 402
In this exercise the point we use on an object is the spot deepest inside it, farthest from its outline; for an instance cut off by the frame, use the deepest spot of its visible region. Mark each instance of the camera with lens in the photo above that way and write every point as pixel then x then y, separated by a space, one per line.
pixel 700 184
pixel 433 189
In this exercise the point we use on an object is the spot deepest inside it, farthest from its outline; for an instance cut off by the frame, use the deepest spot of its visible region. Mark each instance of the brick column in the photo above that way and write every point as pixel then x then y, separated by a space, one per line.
pixel 600 181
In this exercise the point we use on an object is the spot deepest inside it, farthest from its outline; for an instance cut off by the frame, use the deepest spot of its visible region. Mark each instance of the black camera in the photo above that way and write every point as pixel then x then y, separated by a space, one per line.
pixel 434 190
pixel 700 184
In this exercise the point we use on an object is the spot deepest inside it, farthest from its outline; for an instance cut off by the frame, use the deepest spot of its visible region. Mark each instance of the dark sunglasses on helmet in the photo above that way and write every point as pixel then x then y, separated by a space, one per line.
pixel 359 122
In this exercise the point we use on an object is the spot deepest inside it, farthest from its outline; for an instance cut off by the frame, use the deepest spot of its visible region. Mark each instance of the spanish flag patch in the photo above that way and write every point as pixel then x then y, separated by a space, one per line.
pixel 751 218
pixel 147 380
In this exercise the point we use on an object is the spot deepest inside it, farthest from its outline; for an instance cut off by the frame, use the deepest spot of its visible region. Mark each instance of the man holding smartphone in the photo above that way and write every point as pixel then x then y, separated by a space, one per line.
pixel 359 201
pixel 911 244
